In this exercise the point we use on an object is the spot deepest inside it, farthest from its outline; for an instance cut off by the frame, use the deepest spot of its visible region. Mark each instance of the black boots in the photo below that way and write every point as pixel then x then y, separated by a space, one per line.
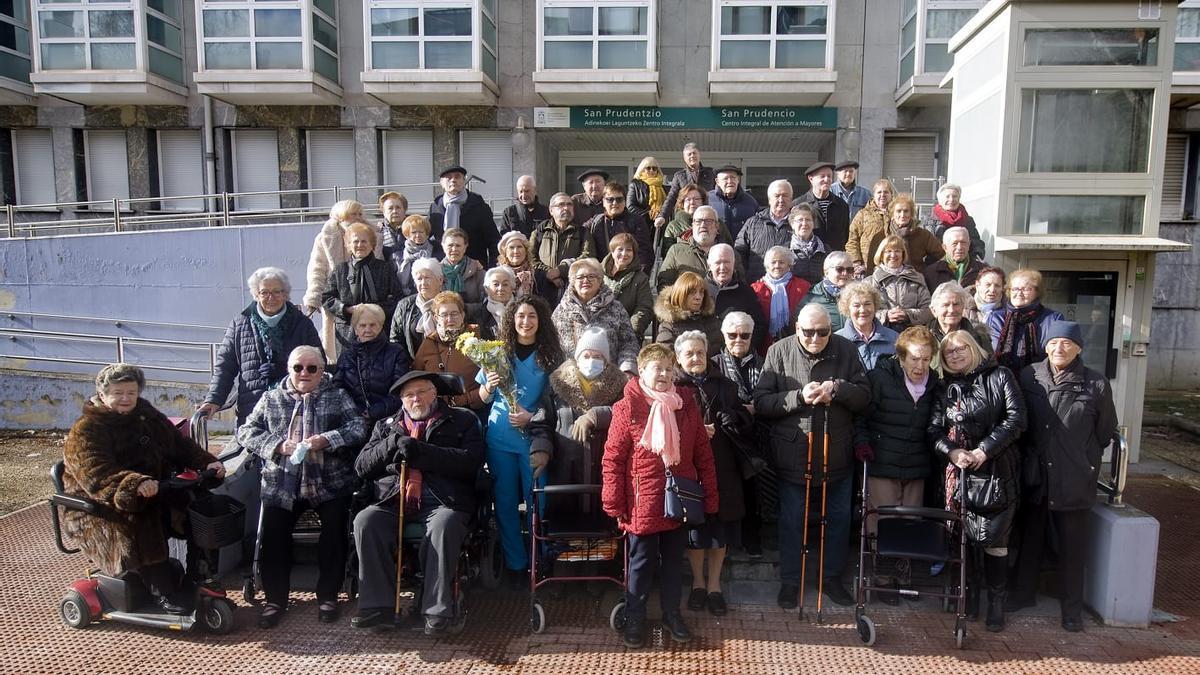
pixel 995 569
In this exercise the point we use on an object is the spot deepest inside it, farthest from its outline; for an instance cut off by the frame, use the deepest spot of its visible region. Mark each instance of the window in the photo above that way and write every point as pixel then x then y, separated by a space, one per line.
pixel 408 161
pixel 1078 214
pixel 1085 130
pixel 330 163
pixel 107 165
pixel 488 154
pixel 255 159
pixel 107 36
pixel 1187 36
pixel 926 27
pixel 14 40
pixel 270 35
pixel 1091 47
pixel 432 35
pixel 33 159
pixel 774 34
pixel 180 169
pixel 583 34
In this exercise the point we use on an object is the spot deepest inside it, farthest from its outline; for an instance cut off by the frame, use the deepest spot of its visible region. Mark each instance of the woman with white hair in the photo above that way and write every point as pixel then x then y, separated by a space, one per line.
pixel 414 317
pixel 305 432
pixel 361 279
pixel 253 353
pixel 949 212
pixel 779 293
pixel 839 271
pixel 589 302
pixel 330 247
pixel 727 424
pixel 370 365
pixel 516 253
pixel 499 285
pixel 948 304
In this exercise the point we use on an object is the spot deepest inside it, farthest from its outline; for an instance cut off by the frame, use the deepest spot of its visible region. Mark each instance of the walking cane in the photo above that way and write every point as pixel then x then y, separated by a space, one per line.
pixel 400 536
pixel 804 536
pixel 824 495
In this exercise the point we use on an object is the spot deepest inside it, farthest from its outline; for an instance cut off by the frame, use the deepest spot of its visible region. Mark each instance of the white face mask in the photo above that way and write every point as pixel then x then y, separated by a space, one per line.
pixel 590 368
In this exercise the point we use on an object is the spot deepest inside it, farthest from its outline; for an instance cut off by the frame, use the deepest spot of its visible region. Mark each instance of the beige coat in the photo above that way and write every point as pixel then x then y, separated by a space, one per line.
pixel 869 226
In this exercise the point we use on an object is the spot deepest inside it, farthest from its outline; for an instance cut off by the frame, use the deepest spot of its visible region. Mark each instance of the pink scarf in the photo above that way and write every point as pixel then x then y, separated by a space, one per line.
pixel 662 431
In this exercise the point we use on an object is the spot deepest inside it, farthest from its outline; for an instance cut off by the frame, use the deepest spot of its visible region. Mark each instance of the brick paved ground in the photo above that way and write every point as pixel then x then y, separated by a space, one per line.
pixel 751 639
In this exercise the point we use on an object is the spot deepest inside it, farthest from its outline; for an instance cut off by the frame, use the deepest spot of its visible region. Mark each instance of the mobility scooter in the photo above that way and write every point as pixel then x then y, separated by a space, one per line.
pixel 215 521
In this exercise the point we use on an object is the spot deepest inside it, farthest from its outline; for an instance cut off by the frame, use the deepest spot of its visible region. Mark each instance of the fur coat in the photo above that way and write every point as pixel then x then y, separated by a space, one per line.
pixel 572 316
pixel 107 455
pixel 576 462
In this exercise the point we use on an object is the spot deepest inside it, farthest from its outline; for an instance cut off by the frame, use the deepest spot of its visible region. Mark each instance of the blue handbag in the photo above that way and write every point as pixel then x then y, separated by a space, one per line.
pixel 683 500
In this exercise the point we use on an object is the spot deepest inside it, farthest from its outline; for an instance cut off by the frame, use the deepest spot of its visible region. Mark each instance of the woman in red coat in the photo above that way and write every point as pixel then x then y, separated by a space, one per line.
pixel 779 294
pixel 654 427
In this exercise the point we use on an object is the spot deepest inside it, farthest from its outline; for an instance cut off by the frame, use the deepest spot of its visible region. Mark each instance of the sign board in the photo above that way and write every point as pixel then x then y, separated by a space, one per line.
pixel 652 117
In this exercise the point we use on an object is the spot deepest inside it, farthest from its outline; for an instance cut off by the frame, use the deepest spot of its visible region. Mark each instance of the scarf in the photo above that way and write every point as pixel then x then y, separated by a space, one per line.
pixel 270 333
pixel 410 492
pixel 496 309
pixel 271 321
pixel 915 390
pixel 661 435
pixel 362 285
pixel 524 287
pixel 894 271
pixel 957 269
pixel 657 196
pixel 452 275
pixel 304 483
pixel 426 323
pixel 950 218
pixel 416 251
pixel 805 250
pixel 1018 343
pixel 830 289
pixel 453 205
pixel 780 307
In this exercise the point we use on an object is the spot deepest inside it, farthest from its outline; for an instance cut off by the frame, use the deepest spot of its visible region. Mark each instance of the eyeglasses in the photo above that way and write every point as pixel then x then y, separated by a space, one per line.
pixel 449 315
pixel 264 293
pixel 844 270
pixel 562 205
pixel 417 393
pixel 816 332
pixel 738 336
pixel 301 368
pixel 1023 290
pixel 955 351
pixel 704 221
pixel 587 277
pixel 613 200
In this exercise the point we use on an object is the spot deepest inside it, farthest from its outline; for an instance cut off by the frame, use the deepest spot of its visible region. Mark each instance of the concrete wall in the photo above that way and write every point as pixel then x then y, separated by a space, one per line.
pixel 1174 361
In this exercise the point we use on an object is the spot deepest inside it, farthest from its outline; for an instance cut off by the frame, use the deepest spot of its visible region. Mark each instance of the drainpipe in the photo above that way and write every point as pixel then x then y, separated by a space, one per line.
pixel 210 157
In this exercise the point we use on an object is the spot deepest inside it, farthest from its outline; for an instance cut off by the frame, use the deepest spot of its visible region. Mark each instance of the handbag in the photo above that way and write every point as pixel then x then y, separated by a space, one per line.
pixel 984 493
pixel 683 500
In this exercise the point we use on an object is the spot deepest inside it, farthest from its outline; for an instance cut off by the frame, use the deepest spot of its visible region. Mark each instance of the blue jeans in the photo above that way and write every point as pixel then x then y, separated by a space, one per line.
pixel 791 528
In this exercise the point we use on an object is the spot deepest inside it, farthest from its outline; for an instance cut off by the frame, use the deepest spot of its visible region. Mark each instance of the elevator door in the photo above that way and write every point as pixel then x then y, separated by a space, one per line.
pixel 1088 298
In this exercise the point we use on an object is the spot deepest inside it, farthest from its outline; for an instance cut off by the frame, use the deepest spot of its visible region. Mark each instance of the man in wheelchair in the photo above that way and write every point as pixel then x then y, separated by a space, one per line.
pixel 444 451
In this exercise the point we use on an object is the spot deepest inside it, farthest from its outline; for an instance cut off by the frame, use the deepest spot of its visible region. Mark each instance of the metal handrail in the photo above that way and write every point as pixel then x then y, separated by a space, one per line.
pixel 1118 470
pixel 119 323
pixel 119 341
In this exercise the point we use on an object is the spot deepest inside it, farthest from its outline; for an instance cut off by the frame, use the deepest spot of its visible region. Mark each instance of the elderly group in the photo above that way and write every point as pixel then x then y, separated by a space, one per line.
pixel 665 331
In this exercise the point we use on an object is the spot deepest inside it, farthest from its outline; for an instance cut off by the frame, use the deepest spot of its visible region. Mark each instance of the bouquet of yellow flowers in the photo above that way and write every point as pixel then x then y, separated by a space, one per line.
pixel 491 356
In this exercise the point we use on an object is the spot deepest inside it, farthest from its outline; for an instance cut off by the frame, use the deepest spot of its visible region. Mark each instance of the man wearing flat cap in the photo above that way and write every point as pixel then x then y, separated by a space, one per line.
pixel 847 188
pixel 590 202
pixel 692 173
pixel 732 203
pixel 832 214
pixel 459 207
pixel 444 451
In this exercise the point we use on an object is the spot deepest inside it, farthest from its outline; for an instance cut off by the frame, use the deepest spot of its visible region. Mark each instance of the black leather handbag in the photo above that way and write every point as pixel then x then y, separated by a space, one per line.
pixel 683 501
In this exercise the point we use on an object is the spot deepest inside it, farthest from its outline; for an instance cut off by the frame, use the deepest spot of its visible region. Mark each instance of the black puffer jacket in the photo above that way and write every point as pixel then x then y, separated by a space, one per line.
pixel 758 234
pixel 986 405
pixel 895 427
pixel 1071 422
pixel 738 296
pixel 720 406
pixel 449 458
pixel 241 358
pixel 603 229
pixel 367 370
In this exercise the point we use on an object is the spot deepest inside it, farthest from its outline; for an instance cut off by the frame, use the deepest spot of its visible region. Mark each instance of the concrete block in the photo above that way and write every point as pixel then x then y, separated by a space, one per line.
pixel 1121 558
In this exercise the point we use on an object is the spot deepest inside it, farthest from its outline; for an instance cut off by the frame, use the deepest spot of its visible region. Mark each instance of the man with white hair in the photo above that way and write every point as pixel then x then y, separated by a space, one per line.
pixel 733 204
pixel 731 292
pixel 832 214
pixel 692 173
pixel 766 228
pixel 839 271
pixel 527 212
pixel 690 253
pixel 958 265
pixel 815 383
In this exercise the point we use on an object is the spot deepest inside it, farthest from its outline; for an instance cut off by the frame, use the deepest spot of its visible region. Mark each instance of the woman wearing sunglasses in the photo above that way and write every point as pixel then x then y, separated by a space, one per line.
pixel 305 432
pixel 647 194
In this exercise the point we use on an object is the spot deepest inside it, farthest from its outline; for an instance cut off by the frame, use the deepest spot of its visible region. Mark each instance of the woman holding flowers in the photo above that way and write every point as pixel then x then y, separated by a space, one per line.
pixel 518 438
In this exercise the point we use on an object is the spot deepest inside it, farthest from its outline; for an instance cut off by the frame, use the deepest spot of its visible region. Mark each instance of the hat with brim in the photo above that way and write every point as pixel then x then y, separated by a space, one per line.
pixel 447 384
pixel 817 167
pixel 847 164
pixel 452 169
pixel 1063 329
pixel 729 168
pixel 591 172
